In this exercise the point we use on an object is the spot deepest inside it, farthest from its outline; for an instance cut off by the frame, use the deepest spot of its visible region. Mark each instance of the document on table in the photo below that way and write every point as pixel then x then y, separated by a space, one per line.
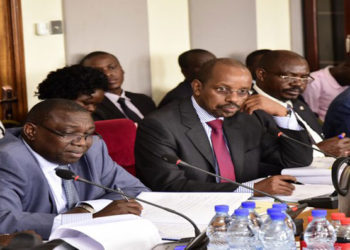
pixel 199 207
pixel 302 192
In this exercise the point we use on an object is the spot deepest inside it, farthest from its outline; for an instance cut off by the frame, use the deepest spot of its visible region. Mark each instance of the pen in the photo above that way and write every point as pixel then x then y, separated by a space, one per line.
pixel 341 136
pixel 294 182
pixel 123 194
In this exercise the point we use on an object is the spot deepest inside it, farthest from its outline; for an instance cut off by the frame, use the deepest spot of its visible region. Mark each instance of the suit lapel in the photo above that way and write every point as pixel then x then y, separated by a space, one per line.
pixel 111 107
pixel 196 132
pixel 235 141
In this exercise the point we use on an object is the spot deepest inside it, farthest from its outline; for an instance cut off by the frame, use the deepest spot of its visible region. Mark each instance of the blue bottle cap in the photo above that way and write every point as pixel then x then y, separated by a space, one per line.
pixel 273 210
pixel 241 212
pixel 282 206
pixel 248 204
pixel 319 213
pixel 277 216
pixel 221 208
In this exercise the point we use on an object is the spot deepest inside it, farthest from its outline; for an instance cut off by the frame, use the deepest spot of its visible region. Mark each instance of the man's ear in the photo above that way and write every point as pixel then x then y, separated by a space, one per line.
pixel 30 130
pixel 260 74
pixel 197 87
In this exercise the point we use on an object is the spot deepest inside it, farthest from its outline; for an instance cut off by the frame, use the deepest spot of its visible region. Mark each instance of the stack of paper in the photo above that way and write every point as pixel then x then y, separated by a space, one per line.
pixel 199 207
pixel 319 172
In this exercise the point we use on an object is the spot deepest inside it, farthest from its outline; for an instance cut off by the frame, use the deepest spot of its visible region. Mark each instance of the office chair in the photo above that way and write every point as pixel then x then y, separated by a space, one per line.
pixel 119 135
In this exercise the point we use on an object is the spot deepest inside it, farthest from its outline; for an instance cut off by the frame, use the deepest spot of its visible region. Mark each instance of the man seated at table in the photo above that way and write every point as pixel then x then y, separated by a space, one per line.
pixel 58 133
pixel 208 131
pixel 281 77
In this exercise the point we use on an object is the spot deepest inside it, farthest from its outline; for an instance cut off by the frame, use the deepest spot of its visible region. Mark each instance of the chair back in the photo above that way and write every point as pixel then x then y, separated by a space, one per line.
pixel 119 136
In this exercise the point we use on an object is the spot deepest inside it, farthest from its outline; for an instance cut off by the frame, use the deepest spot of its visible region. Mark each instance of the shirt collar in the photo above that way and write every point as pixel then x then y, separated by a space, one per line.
pixel 115 98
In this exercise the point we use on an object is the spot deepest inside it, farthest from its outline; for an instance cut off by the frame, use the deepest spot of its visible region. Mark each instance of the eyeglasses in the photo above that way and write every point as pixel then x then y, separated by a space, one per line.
pixel 67 136
pixel 222 90
pixel 289 79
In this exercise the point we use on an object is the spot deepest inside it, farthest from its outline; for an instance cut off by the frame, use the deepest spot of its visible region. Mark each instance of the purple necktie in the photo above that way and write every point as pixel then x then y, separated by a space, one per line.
pixel 222 154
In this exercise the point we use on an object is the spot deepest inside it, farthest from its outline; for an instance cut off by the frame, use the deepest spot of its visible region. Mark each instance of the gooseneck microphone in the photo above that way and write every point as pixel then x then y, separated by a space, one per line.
pixel 69 175
pixel 174 160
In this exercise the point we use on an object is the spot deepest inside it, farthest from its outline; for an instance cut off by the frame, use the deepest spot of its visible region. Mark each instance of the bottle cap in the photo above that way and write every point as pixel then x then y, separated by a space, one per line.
pixel 337 216
pixel 248 204
pixel 309 218
pixel 241 212
pixel 277 216
pixel 221 208
pixel 345 221
pixel 282 206
pixel 319 213
pixel 273 210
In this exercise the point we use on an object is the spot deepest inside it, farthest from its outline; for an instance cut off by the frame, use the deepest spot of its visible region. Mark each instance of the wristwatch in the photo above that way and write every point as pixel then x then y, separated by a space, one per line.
pixel 86 206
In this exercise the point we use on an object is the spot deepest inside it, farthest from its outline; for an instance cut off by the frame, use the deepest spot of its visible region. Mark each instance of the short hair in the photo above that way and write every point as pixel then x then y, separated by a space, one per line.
pixel 206 70
pixel 183 58
pixel 42 111
pixel 250 59
pixel 94 54
pixel 271 58
pixel 71 82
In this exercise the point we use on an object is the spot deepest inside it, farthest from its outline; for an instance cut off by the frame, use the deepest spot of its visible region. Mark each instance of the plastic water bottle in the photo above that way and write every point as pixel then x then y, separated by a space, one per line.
pixel 343 235
pixel 217 228
pixel 319 234
pixel 276 235
pixel 289 221
pixel 335 220
pixel 253 215
pixel 302 241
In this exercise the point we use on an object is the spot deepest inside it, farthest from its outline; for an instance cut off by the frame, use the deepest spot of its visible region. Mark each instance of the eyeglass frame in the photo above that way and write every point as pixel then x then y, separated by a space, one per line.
pixel 290 79
pixel 228 91
pixel 66 135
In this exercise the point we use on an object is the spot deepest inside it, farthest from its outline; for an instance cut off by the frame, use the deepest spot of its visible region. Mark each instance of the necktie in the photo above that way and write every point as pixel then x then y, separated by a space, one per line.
pixel 222 154
pixel 128 112
pixel 70 190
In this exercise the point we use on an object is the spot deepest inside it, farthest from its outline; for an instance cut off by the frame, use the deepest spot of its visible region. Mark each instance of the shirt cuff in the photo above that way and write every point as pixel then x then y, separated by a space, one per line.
pixel 96 204
pixel 288 122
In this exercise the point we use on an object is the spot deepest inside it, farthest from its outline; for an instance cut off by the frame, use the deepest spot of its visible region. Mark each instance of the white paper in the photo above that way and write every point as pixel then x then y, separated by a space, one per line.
pixel 110 232
pixel 302 192
pixel 199 207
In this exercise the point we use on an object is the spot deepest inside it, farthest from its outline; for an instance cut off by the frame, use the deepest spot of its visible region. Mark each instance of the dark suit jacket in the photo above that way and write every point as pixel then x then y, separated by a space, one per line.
pixel 26 200
pixel 177 130
pixel 106 110
pixel 183 90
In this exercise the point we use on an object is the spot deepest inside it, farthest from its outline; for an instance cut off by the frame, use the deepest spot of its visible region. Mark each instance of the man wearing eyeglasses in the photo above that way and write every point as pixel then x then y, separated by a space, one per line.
pixel 58 133
pixel 281 77
pixel 208 130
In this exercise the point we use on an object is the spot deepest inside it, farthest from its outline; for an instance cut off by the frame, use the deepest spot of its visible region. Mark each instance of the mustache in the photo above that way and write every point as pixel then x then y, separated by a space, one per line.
pixel 231 105
pixel 295 88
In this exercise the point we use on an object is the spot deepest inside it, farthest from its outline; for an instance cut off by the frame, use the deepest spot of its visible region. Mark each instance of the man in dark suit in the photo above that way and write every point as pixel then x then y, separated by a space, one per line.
pixel 240 149
pixel 117 102
pixel 281 77
pixel 190 62
pixel 58 133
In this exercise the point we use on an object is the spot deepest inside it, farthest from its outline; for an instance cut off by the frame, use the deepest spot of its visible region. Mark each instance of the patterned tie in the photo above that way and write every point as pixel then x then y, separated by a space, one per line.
pixel 128 112
pixel 222 154
pixel 70 190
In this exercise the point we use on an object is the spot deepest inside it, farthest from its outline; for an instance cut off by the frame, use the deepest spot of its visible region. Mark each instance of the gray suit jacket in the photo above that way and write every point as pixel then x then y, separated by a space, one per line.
pixel 176 129
pixel 26 201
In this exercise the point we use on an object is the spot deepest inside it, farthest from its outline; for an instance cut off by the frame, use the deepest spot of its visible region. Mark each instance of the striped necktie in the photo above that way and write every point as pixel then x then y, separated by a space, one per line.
pixel 70 190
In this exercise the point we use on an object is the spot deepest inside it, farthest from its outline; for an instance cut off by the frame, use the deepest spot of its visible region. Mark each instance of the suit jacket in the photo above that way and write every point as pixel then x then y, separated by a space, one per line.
pixel 183 90
pixel 26 201
pixel 177 130
pixel 106 110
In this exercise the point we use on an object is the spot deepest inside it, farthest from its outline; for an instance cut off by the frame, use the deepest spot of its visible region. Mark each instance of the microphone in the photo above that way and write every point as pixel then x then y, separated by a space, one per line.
pixel 69 175
pixel 174 160
pixel 281 134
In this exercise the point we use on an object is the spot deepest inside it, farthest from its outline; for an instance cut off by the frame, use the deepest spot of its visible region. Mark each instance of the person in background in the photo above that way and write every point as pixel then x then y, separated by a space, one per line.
pixel 208 130
pixel 281 77
pixel 84 85
pixel 327 84
pixel 117 103
pixel 58 133
pixel 190 62
pixel 252 60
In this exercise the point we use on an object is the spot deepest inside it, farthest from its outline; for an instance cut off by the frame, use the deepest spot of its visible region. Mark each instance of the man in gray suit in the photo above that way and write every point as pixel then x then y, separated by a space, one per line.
pixel 58 133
